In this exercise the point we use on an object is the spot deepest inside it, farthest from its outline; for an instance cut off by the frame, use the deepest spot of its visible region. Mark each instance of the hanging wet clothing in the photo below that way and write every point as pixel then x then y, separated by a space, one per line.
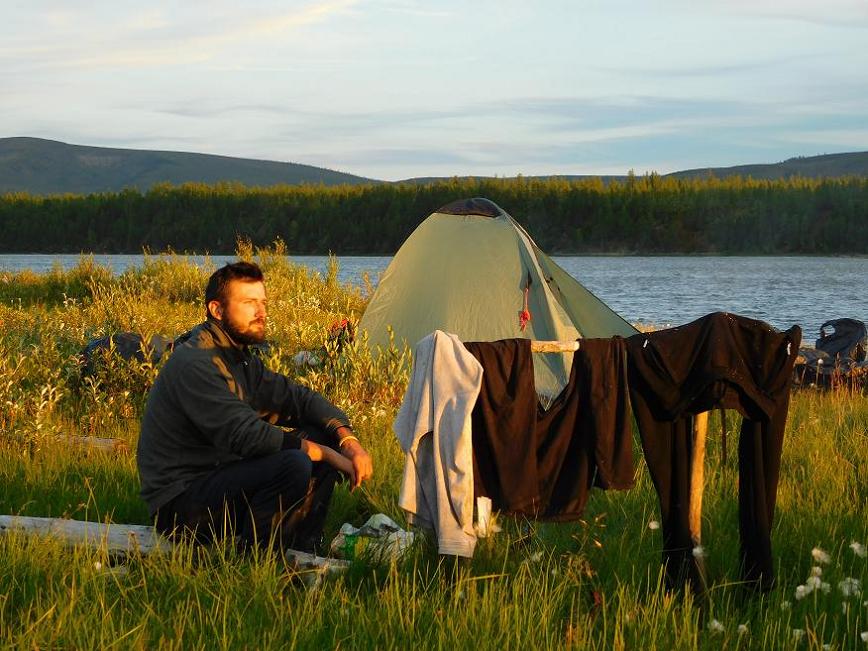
pixel 433 429
pixel 719 360
pixel 542 462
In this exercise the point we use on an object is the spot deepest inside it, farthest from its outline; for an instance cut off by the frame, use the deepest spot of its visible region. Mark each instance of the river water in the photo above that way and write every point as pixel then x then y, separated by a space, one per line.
pixel 659 291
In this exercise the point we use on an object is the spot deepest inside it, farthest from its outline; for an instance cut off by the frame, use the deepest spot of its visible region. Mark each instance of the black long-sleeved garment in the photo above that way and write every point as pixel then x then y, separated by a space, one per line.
pixel 718 360
pixel 542 463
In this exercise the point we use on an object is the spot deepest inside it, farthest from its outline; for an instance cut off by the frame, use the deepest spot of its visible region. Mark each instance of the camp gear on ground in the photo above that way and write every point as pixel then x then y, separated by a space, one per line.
pixel 126 345
pixel 839 358
pixel 470 269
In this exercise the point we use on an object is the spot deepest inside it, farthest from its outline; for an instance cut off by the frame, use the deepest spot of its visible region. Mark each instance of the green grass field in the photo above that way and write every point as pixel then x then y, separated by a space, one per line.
pixel 593 584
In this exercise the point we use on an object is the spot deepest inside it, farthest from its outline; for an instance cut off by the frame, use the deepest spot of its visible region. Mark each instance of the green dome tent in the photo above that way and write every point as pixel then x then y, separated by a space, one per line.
pixel 468 269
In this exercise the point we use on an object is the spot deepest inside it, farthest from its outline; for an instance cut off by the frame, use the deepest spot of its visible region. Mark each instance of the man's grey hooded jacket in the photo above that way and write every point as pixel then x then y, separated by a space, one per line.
pixel 214 402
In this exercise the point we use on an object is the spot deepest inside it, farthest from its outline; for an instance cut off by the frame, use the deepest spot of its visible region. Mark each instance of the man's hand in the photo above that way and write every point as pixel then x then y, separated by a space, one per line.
pixel 322 453
pixel 363 466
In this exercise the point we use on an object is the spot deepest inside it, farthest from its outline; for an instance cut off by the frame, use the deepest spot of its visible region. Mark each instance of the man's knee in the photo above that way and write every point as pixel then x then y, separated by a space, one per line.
pixel 295 470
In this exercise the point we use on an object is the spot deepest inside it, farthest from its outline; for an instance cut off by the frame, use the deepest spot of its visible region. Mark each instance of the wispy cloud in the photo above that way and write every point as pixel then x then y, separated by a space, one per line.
pixel 150 39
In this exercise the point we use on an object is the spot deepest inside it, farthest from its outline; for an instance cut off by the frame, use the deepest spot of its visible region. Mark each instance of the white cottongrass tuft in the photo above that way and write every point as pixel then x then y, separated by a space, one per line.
pixel 699 551
pixel 716 626
pixel 742 629
pixel 821 556
pixel 864 636
pixel 654 525
pixel 816 571
pixel 798 633
pixel 802 591
pixel 97 565
pixel 859 549
pixel 536 557
pixel 850 587
pixel 785 605
pixel 814 582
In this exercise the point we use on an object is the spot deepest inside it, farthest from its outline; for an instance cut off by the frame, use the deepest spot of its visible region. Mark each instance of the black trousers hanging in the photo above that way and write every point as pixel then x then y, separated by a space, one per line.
pixel 719 360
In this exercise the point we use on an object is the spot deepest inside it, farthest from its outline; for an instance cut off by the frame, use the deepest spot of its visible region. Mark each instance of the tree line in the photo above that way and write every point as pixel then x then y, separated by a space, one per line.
pixel 640 214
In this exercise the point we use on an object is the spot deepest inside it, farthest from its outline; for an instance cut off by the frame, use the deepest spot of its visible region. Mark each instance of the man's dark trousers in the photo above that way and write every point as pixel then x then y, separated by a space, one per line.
pixel 280 499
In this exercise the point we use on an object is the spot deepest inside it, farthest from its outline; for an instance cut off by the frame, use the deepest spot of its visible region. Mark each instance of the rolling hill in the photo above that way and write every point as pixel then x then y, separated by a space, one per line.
pixel 42 166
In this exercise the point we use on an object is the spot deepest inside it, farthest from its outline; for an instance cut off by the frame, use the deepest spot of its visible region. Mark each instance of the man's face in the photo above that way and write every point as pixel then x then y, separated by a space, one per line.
pixel 244 315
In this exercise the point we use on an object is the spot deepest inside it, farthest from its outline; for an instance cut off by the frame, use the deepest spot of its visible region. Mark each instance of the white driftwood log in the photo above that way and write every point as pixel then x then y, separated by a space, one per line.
pixel 697 476
pixel 124 538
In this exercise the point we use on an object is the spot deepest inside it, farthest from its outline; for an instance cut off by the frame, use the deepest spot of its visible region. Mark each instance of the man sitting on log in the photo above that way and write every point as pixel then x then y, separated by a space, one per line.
pixel 213 456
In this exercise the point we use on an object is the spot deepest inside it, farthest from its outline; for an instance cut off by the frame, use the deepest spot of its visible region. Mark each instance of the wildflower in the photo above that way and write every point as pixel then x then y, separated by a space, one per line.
pixel 820 556
pixel 654 525
pixel 814 582
pixel 850 587
pixel 742 629
pixel 859 549
pixel 816 571
pixel 716 626
pixel 798 633
pixel 802 591
pixel 699 551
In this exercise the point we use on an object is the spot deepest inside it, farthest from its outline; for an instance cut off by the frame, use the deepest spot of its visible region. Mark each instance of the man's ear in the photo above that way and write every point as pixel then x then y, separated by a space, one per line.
pixel 215 310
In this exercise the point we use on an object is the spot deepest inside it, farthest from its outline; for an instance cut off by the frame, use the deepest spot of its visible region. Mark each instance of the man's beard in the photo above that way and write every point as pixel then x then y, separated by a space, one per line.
pixel 247 338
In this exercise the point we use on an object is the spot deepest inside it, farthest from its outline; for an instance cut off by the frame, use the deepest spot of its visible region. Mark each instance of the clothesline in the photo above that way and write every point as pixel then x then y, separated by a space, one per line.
pixel 554 346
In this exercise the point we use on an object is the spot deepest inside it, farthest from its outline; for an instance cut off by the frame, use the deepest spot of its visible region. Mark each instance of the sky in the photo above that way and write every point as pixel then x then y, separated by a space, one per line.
pixel 395 89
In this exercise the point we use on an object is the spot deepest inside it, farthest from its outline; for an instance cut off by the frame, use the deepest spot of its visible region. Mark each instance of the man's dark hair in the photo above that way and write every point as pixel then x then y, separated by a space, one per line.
pixel 218 283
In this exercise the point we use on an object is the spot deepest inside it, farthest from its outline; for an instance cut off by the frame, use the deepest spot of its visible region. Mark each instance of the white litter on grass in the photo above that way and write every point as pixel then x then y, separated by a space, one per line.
pixel 380 533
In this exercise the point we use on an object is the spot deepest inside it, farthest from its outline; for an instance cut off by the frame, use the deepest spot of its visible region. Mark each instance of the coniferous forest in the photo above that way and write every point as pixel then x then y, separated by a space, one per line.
pixel 642 214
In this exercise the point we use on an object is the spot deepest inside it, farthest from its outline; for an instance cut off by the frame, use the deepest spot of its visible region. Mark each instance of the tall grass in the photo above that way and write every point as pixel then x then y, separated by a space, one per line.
pixel 592 584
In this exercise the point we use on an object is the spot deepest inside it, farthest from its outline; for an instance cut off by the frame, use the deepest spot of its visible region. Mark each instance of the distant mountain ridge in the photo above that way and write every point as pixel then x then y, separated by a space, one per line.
pixel 40 167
